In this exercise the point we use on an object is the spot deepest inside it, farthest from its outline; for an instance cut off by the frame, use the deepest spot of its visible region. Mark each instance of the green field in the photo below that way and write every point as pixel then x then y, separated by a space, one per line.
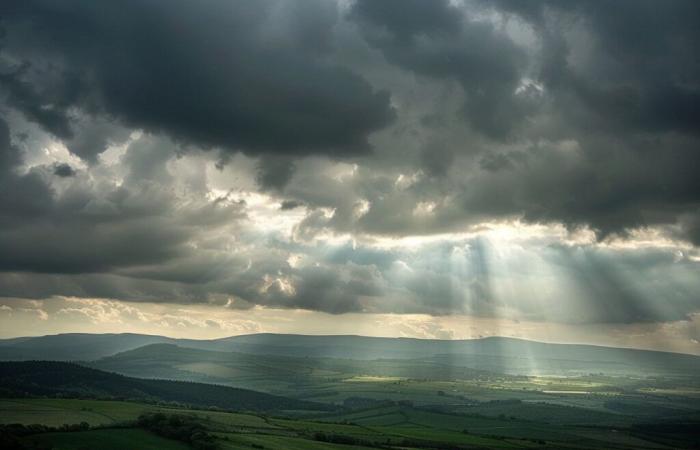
pixel 394 426
pixel 246 441
pixel 55 412
pixel 108 439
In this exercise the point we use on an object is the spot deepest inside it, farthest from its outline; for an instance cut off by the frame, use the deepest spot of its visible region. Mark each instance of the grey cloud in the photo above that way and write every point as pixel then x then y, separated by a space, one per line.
pixel 21 196
pixel 216 74
pixel 63 170
pixel 275 173
pixel 90 137
pixel 639 73
pixel 589 120
pixel 436 39
pixel 437 157
pixel 89 227
pixel 693 230
pixel 625 106
pixel 411 18
pixel 47 106
pixel 290 204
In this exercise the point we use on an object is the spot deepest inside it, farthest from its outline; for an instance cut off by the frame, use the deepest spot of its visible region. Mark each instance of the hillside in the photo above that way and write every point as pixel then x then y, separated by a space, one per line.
pixel 492 353
pixel 50 378
pixel 495 354
pixel 264 372
pixel 73 346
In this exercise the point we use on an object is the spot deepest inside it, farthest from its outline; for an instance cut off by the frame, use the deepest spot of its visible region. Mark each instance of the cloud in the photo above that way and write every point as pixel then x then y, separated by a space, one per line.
pixel 63 170
pixel 93 227
pixel 242 76
pixel 344 158
pixel 275 173
pixel 437 39
pixel 597 127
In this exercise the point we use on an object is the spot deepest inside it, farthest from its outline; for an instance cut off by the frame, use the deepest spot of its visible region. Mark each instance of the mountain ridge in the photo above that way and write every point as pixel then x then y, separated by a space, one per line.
pixel 26 339
pixel 499 354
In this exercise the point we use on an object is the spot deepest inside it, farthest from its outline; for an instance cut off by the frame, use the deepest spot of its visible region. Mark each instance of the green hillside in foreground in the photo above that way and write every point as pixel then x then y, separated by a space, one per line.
pixel 50 378
pixel 107 439
pixel 396 427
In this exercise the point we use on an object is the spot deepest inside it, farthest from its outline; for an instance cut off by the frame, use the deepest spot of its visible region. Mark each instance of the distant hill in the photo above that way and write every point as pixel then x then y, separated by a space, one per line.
pixel 264 372
pixel 73 346
pixel 496 354
pixel 51 378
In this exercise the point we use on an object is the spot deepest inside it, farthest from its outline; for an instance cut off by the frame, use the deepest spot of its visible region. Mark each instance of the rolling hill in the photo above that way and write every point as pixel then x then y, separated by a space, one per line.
pixel 495 354
pixel 73 346
pixel 52 378
pixel 265 371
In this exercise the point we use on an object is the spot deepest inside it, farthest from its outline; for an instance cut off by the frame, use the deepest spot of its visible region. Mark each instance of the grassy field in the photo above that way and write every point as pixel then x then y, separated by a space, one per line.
pixel 395 426
pixel 107 439
pixel 56 412
pixel 271 442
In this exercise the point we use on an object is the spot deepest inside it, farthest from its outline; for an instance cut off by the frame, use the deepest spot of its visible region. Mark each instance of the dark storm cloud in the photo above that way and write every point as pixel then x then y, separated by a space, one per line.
pixel 437 157
pixel 626 85
pixel 618 84
pixel 576 113
pixel 47 106
pixel 643 69
pixel 239 75
pixel 63 170
pixel 275 172
pixel 290 204
pixel 436 39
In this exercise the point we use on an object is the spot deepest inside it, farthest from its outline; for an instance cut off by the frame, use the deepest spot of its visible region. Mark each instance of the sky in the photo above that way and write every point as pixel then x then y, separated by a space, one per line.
pixel 423 168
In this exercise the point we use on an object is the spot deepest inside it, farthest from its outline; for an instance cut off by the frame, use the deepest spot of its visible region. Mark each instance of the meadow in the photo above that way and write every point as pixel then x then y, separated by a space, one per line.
pixel 112 424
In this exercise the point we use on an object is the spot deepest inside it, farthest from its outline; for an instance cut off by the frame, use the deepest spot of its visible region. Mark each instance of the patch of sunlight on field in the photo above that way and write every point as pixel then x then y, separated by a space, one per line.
pixel 373 379
pixel 211 369
pixel 567 392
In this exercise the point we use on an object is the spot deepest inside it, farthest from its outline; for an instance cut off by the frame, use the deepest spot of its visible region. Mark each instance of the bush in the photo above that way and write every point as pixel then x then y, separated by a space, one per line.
pixel 179 427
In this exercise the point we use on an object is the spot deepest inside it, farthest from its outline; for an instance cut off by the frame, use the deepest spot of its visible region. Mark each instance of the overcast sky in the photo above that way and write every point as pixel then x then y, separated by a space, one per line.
pixel 397 167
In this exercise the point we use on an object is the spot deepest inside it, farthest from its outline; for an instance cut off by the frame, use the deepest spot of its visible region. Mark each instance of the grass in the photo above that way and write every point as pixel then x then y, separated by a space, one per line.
pixel 56 412
pixel 246 441
pixel 495 425
pixel 108 439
